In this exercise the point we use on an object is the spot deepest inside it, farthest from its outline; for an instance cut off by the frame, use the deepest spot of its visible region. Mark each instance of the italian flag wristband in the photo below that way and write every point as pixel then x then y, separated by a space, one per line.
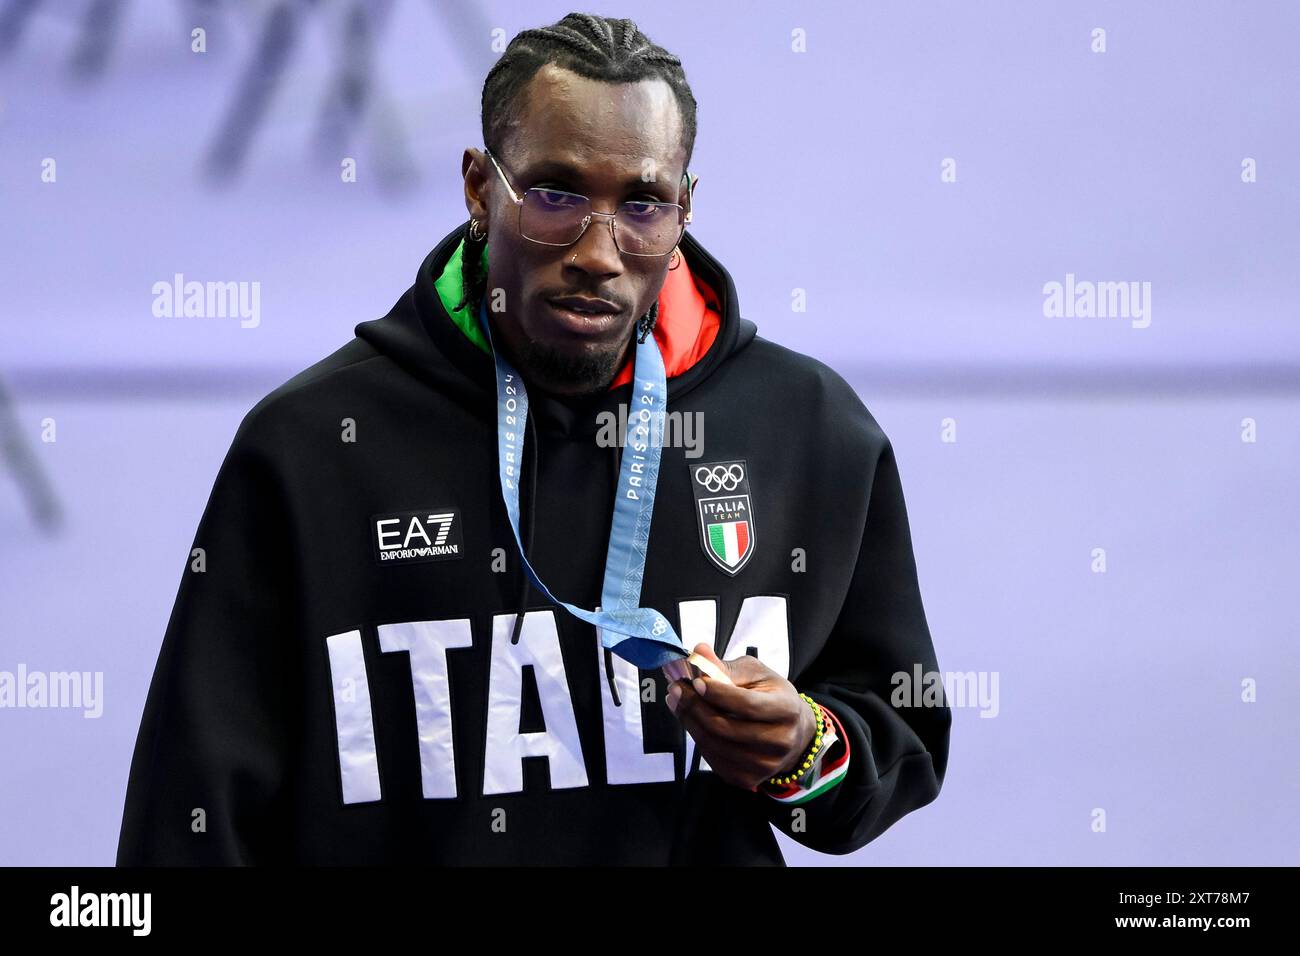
pixel 830 767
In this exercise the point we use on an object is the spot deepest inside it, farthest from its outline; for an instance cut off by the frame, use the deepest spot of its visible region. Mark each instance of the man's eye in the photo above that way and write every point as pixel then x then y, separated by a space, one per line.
pixel 642 210
pixel 555 198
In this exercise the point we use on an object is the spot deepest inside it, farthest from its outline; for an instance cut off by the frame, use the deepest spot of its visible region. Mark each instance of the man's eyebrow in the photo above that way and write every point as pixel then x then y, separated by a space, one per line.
pixel 562 170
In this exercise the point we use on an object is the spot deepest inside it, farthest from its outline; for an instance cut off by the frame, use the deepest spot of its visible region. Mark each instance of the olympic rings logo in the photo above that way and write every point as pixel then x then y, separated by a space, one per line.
pixel 660 626
pixel 720 477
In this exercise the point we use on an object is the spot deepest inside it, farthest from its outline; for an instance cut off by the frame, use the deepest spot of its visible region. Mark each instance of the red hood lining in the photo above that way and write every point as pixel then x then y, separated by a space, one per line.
pixel 690 316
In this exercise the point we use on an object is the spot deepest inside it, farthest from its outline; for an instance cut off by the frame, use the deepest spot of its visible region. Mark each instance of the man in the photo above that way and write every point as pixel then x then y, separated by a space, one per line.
pixel 422 622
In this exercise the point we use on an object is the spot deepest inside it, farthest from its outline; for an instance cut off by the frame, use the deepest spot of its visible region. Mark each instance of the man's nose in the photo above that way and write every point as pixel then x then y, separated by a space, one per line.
pixel 596 251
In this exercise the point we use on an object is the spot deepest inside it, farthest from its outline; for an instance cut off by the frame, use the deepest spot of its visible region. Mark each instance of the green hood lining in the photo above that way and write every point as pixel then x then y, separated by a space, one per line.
pixel 451 289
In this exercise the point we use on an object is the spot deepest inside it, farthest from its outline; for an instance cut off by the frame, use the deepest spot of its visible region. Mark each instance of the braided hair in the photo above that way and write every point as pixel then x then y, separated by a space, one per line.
pixel 598 48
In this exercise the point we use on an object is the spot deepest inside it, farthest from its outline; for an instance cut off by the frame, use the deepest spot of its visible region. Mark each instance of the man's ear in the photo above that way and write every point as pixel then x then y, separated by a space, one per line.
pixel 691 180
pixel 472 169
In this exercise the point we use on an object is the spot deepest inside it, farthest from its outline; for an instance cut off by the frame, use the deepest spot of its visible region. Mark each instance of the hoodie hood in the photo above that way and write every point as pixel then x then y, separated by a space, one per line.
pixel 688 319
pixel 698 329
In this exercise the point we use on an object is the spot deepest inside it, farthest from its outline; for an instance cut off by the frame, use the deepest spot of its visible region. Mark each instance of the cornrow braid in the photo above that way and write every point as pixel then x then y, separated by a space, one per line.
pixel 598 48
pixel 473 277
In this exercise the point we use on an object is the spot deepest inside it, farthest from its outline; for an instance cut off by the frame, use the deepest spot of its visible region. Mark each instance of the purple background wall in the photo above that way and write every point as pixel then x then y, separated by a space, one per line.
pixel 820 171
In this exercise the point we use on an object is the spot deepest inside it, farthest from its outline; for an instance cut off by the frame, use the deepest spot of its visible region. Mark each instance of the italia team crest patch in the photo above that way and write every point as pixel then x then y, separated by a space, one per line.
pixel 725 511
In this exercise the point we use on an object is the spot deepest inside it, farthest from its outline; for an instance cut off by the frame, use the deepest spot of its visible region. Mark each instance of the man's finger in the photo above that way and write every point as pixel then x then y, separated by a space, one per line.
pixel 743 671
pixel 757 705
pixel 704 721
pixel 718 731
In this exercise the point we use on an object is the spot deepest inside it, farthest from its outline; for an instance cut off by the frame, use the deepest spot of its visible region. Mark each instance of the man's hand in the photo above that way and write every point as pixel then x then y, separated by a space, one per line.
pixel 748 732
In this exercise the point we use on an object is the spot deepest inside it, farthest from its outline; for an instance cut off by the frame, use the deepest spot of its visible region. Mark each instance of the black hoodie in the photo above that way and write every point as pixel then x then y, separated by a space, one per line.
pixel 345 679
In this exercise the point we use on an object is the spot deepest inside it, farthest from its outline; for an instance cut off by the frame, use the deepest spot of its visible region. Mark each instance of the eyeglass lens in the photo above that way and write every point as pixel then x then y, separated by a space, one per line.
pixel 640 228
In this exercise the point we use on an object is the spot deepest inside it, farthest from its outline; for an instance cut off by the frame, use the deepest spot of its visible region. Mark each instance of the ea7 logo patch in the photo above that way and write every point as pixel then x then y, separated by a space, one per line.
pixel 725 511
pixel 409 537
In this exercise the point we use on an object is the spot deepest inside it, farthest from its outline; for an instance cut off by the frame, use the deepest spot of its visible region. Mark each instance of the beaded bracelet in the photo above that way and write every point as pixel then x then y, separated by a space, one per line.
pixel 805 763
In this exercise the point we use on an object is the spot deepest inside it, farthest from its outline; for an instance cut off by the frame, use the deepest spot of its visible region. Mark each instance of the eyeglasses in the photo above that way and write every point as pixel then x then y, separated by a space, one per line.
pixel 553 217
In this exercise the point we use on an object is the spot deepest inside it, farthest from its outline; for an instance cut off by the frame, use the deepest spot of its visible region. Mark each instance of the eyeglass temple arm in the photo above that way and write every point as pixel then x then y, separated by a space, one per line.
pixel 518 200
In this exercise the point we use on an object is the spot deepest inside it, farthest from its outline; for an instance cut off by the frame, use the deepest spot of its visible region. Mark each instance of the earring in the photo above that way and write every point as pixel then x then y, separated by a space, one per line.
pixel 476 232
pixel 676 260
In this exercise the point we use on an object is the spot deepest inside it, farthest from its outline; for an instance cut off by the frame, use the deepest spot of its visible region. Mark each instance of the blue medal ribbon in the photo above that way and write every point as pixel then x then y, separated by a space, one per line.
pixel 638 634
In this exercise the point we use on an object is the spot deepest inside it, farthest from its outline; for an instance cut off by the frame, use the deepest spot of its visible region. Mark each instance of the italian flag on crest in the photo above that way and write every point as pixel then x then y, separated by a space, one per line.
pixel 729 541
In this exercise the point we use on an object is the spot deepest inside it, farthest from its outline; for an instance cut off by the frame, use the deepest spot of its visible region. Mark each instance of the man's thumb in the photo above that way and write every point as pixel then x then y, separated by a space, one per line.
pixel 713 666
